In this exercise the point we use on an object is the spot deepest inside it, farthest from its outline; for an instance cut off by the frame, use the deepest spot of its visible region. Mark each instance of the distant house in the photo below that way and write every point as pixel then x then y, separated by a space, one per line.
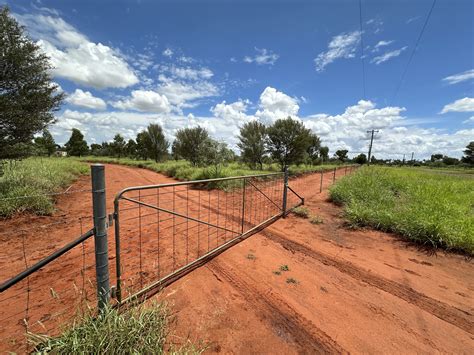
pixel 60 153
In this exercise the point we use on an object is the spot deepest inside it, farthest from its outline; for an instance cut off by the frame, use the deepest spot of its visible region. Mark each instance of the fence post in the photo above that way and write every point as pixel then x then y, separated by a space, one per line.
pixel 285 190
pixel 243 206
pixel 321 182
pixel 334 176
pixel 100 235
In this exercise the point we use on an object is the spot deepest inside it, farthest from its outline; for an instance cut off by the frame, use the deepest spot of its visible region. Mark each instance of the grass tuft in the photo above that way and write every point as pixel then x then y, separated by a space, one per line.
pixel 301 212
pixel 424 207
pixel 291 280
pixel 316 220
pixel 284 268
pixel 139 330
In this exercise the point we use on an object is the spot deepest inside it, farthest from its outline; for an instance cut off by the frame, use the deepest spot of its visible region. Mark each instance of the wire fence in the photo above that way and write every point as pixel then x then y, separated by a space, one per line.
pixel 50 297
pixel 162 230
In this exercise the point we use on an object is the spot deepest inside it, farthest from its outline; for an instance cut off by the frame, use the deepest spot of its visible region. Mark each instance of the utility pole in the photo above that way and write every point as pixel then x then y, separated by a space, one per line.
pixel 403 159
pixel 371 142
pixel 412 154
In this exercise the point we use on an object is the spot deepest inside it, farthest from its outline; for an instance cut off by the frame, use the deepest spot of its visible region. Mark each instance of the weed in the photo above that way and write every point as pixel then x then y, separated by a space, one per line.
pixel 277 272
pixel 291 280
pixel 315 220
pixel 251 256
pixel 301 212
pixel 284 268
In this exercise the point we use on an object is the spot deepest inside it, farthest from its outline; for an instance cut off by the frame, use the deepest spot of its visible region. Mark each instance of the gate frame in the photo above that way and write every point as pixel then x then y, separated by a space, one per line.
pixel 168 279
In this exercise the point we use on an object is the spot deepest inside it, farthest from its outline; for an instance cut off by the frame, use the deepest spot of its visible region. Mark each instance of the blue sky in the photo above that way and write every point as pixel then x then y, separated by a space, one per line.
pixel 219 64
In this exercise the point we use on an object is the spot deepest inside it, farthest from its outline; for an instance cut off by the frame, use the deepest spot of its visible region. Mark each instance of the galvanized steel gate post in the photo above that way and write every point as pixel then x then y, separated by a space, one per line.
pixel 100 235
pixel 285 191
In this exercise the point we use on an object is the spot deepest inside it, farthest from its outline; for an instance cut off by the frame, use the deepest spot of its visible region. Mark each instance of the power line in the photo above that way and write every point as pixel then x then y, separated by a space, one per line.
pixel 414 49
pixel 362 47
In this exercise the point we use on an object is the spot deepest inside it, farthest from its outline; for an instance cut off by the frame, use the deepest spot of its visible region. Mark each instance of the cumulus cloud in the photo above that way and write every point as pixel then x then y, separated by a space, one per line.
pixel 462 105
pixel 262 57
pixel 145 101
pixel 388 55
pixel 458 78
pixel 343 45
pixel 275 104
pixel 86 99
pixel 191 73
pixel 74 57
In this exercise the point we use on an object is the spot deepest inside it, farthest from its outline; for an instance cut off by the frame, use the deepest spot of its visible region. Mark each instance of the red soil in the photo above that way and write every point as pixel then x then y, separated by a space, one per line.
pixel 355 290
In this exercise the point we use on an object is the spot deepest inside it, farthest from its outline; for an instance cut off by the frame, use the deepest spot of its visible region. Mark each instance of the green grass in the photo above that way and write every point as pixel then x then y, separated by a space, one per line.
pixel 35 177
pixel 139 330
pixel 425 207
pixel 284 268
pixel 301 211
pixel 316 220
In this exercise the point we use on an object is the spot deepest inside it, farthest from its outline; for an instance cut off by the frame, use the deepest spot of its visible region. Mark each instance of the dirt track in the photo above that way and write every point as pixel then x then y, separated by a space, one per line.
pixel 356 291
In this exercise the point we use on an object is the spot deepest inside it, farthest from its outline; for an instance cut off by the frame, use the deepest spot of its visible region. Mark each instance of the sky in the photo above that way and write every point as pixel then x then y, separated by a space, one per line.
pixel 341 67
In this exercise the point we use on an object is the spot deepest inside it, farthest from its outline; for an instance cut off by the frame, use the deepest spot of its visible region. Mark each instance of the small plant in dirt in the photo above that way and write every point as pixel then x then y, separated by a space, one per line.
pixel 301 212
pixel 291 280
pixel 250 256
pixel 139 330
pixel 284 268
pixel 277 272
pixel 315 220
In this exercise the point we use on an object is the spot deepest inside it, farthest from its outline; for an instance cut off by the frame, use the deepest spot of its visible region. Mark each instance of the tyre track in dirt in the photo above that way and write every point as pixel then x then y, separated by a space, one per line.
pixel 282 317
pixel 458 318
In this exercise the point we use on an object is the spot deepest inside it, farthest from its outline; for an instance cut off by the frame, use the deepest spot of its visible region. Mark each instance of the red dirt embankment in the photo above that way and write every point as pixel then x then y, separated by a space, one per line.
pixel 352 291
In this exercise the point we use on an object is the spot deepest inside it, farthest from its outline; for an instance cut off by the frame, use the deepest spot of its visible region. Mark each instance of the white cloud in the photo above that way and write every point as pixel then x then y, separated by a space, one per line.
pixel 341 46
pixel 235 111
pixel 462 105
pixel 470 120
pixel 388 55
pixel 263 57
pixel 86 99
pixel 381 44
pixel 74 57
pixel 190 73
pixel 145 101
pixel 168 53
pixel 275 104
pixel 457 78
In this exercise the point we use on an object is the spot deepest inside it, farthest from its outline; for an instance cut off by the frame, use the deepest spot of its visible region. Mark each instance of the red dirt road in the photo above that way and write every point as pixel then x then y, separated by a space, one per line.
pixel 355 291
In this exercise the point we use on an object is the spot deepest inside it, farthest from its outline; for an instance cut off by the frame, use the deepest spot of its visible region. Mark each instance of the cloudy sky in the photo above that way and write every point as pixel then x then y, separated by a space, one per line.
pixel 221 63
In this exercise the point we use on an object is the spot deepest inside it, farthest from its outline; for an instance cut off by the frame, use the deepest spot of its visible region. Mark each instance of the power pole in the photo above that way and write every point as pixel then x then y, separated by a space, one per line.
pixel 371 142
pixel 412 154
pixel 403 159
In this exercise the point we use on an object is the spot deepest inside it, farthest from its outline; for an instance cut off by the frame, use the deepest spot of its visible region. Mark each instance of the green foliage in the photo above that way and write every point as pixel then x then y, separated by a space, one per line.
pixel 341 154
pixel 252 143
pixel 76 145
pixel 301 212
pixel 361 159
pixel 284 268
pixel 28 96
pixel 138 330
pixel 291 280
pixel 45 144
pixel 288 141
pixel 314 145
pixel 421 205
pixel 118 146
pixel 315 220
pixel 155 143
pixel 35 177
pixel 324 152
pixel 468 157
pixel 192 144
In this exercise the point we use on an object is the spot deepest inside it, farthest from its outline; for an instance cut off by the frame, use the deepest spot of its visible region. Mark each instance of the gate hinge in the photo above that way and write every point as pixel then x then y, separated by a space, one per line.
pixel 111 219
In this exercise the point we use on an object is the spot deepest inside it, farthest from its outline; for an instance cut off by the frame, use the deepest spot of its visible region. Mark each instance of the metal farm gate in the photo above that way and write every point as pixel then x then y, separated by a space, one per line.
pixel 164 231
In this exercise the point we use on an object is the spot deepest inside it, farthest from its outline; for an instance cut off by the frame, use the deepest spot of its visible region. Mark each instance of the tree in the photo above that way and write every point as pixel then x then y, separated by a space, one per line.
pixel 76 145
pixel 155 142
pixel 28 96
pixel 252 143
pixel 287 141
pixel 313 148
pixel 191 144
pixel 118 146
pixel 131 148
pixel 96 149
pixel 217 154
pixel 361 159
pixel 436 157
pixel 142 145
pixel 324 151
pixel 468 157
pixel 341 154
pixel 450 161
pixel 46 143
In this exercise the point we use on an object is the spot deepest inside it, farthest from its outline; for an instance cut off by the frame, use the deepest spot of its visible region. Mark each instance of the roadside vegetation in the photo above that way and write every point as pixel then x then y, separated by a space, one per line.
pixel 35 178
pixel 425 207
pixel 143 329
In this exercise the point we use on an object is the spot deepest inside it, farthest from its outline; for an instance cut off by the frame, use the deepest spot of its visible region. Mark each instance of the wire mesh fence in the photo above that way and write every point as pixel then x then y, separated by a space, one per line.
pixel 164 228
pixel 51 296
